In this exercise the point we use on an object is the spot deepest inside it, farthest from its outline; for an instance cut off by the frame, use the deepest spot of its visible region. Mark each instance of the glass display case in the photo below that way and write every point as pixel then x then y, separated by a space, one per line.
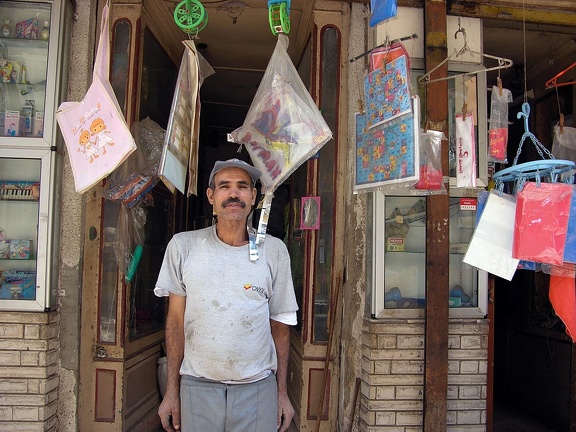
pixel 398 267
pixel 29 59
pixel 26 273
pixel 32 55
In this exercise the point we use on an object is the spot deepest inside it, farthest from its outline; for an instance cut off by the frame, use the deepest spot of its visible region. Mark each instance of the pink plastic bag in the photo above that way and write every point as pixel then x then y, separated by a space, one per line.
pixel 541 222
pixel 96 135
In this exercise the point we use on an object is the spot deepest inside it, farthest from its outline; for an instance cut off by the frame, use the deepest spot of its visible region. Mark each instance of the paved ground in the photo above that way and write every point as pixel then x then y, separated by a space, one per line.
pixel 509 419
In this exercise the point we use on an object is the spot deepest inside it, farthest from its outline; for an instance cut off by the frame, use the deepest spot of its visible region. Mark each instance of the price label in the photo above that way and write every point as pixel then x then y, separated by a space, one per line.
pixel 468 204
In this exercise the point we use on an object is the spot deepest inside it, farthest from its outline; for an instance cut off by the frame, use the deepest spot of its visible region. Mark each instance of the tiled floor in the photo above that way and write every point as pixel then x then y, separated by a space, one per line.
pixel 509 419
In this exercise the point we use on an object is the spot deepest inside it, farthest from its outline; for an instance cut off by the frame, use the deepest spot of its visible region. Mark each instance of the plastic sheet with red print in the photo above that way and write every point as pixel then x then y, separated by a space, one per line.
pixel 541 222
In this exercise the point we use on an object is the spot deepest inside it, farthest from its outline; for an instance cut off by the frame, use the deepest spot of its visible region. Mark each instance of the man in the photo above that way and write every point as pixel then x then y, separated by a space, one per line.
pixel 227 329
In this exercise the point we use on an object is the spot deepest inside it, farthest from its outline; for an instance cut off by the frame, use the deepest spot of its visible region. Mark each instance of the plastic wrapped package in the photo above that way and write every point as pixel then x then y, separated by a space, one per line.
pixel 431 179
pixel 498 132
pixel 134 179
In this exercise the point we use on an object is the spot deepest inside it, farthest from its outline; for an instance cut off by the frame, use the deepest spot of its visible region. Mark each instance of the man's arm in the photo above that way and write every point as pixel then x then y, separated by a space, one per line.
pixel 281 336
pixel 169 410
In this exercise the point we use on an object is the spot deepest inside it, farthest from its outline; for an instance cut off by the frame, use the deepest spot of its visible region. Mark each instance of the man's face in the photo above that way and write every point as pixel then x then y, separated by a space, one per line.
pixel 233 195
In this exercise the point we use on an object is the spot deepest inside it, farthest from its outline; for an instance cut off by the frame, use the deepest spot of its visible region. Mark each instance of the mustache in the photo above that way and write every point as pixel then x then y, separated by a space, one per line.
pixel 233 200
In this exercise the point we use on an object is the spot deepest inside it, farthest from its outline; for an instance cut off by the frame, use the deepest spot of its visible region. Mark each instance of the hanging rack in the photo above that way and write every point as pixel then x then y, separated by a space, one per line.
pixel 552 82
pixel 535 169
pixel 503 63
pixel 386 42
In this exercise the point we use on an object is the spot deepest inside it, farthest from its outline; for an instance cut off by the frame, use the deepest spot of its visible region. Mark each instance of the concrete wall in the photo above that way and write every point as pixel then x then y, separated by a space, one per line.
pixel 80 62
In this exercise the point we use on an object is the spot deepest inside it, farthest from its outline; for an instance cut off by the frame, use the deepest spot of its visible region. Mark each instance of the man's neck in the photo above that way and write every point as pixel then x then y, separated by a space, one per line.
pixel 233 233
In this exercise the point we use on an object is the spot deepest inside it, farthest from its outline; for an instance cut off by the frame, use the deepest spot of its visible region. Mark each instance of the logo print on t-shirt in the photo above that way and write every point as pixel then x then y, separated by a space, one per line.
pixel 259 290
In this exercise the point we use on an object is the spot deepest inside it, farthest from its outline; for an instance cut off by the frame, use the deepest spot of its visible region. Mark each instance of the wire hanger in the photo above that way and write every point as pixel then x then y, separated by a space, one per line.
pixel 552 82
pixel 503 63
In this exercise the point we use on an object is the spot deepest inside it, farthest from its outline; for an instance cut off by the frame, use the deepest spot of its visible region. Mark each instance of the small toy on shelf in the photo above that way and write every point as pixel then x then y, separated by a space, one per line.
pixel 6 29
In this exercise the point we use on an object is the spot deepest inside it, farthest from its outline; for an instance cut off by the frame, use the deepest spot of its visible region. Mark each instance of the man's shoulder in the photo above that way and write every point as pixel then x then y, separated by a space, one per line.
pixel 187 236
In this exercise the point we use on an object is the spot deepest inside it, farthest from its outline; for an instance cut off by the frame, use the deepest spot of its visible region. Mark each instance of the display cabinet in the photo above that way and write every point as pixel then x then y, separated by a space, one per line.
pixel 32 56
pixel 27 266
pixel 29 71
pixel 397 275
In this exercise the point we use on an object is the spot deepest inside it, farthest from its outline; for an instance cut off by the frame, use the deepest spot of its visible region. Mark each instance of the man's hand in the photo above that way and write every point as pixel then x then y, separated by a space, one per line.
pixel 169 411
pixel 285 412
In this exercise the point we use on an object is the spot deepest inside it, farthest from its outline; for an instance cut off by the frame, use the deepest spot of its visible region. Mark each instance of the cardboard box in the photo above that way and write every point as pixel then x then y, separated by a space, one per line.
pixel 395 244
pixel 4 249
pixel 12 123
pixel 27 29
pixel 20 249
pixel 38 124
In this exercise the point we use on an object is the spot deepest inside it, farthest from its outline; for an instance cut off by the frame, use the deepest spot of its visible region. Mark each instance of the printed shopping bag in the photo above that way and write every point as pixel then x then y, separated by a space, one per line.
pixel 96 135
pixel 541 223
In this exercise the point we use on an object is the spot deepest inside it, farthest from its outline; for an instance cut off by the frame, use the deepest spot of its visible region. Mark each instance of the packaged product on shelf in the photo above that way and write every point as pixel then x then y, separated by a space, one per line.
pixel 27 29
pixel 10 71
pixel 27 114
pixel 11 123
pixel 17 284
pixel 39 124
pixel 20 249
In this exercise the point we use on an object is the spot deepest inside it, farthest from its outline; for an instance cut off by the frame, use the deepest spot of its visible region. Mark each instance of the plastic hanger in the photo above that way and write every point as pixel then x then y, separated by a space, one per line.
pixel 503 63
pixel 552 82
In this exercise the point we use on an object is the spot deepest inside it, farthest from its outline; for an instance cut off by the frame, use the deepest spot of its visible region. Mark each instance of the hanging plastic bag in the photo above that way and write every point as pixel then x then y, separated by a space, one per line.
pixel 129 240
pixel 564 143
pixel 387 92
pixel 381 10
pixel 490 248
pixel 283 127
pixel 498 133
pixel 562 294
pixel 431 179
pixel 132 182
pixel 570 246
pixel 541 222
pixel 465 151
pixel 95 132
pixel 388 154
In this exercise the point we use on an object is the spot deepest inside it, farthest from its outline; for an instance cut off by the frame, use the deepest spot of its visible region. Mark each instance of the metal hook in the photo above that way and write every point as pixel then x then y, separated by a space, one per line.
pixel 525 113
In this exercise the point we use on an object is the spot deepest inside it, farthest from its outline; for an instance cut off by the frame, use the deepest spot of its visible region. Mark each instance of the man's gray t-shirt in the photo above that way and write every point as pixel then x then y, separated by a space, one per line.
pixel 229 302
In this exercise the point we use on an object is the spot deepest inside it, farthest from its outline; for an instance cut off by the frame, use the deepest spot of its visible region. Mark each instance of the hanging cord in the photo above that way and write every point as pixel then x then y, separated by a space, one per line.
pixel 525 66
pixel 561 122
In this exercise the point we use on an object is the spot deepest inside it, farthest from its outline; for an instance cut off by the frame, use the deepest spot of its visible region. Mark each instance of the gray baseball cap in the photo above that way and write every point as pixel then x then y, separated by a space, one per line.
pixel 234 163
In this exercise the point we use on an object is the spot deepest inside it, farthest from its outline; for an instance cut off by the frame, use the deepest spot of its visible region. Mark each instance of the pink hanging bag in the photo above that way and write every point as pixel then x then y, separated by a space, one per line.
pixel 95 132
